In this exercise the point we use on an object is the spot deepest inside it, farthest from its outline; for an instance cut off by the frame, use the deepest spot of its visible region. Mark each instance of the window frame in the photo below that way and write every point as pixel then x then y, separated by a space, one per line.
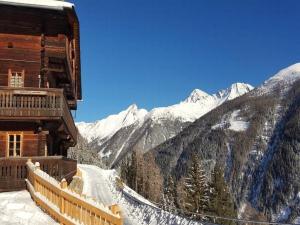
pixel 14 134
pixel 10 75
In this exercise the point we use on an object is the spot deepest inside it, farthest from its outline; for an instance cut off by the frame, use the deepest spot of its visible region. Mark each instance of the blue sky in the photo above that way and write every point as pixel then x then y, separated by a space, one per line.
pixel 155 52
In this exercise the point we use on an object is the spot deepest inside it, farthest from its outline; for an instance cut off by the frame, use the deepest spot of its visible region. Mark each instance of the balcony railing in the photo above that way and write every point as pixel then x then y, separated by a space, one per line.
pixel 13 171
pixel 36 104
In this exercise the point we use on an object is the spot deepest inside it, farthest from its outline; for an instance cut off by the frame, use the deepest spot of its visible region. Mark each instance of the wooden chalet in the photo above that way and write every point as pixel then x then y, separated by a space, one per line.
pixel 40 83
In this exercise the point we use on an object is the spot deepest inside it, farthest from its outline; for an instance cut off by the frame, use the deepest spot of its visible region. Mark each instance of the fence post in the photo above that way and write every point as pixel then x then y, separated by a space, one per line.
pixel 29 173
pixel 63 185
pixel 37 166
pixel 115 209
pixel 35 185
pixel 78 173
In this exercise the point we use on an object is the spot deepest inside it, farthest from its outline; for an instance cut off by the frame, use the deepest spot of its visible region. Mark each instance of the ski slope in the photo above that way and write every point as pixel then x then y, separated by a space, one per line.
pixel 100 184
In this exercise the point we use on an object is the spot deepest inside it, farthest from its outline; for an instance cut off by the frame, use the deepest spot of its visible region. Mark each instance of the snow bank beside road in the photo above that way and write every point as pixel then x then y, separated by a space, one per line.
pixel 17 208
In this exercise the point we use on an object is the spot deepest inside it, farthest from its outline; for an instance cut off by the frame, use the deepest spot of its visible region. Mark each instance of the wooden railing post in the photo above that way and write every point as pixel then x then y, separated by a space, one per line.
pixel 37 166
pixel 35 185
pixel 63 185
pixel 115 209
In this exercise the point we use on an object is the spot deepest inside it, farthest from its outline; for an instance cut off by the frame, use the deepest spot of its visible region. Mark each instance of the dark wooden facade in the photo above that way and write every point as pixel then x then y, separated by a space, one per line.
pixel 40 80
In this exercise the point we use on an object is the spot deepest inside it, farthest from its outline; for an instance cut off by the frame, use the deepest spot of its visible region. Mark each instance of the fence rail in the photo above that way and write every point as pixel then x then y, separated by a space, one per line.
pixel 66 206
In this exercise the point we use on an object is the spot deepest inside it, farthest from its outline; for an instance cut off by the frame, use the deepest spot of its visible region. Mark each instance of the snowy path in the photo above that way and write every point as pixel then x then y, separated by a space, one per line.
pixel 17 208
pixel 100 184
pixel 96 185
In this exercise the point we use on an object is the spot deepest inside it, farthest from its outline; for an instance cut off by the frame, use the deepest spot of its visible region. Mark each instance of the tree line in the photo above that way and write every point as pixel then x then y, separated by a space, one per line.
pixel 192 195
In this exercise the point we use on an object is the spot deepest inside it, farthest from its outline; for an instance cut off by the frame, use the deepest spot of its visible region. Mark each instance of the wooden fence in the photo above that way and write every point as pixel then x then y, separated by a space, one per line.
pixel 66 206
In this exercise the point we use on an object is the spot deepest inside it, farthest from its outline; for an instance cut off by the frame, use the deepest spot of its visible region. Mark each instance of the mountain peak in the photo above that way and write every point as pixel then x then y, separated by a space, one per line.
pixel 196 96
pixel 235 90
pixel 108 126
pixel 132 108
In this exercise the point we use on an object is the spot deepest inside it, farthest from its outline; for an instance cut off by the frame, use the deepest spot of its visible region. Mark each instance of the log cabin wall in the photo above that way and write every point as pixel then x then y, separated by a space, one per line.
pixel 20 53
pixel 26 53
pixel 3 144
pixel 39 42
pixel 34 141
pixel 32 144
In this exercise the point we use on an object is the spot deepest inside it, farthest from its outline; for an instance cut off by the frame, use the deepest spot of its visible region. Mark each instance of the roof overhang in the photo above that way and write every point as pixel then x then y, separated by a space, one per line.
pixel 45 4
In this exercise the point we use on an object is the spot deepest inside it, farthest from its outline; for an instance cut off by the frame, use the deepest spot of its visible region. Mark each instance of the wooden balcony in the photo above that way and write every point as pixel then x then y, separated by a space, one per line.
pixel 13 171
pixel 37 104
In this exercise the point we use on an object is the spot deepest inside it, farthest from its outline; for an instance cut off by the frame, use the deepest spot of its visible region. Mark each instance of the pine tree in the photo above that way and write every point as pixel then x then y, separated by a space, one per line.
pixel 132 172
pixel 152 179
pixel 195 188
pixel 143 176
pixel 221 202
pixel 124 170
pixel 170 196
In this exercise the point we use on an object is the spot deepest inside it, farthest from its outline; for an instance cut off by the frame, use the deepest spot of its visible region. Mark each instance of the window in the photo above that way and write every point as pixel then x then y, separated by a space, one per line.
pixel 14 145
pixel 16 79
pixel 10 45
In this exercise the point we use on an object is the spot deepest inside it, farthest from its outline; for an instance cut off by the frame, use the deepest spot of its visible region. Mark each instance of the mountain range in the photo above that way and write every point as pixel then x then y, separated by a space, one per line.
pixel 137 129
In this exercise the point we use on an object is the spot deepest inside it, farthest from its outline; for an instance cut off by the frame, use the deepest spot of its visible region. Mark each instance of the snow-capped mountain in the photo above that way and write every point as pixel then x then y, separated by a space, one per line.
pixel 255 139
pixel 234 91
pixel 282 80
pixel 135 128
pixel 105 128
pixel 199 103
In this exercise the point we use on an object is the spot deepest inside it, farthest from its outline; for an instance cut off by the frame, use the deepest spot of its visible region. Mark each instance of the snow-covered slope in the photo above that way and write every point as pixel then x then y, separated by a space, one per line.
pixel 17 208
pixel 281 80
pixel 286 75
pixel 136 210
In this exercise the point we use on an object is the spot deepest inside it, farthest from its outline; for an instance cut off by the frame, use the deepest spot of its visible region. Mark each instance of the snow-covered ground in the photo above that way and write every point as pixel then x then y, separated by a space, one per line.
pixel 17 208
pixel 100 184
pixel 233 122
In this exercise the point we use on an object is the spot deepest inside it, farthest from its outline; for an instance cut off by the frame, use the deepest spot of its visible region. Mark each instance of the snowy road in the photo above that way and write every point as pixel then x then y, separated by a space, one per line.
pixel 97 185
pixel 100 184
pixel 17 208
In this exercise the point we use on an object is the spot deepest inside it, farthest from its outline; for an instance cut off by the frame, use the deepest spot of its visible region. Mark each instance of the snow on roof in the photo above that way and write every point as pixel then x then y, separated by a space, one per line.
pixel 47 4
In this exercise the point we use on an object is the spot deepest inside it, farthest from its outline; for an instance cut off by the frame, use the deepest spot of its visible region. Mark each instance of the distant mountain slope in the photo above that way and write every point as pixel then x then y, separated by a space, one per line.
pixel 256 138
pixel 136 129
